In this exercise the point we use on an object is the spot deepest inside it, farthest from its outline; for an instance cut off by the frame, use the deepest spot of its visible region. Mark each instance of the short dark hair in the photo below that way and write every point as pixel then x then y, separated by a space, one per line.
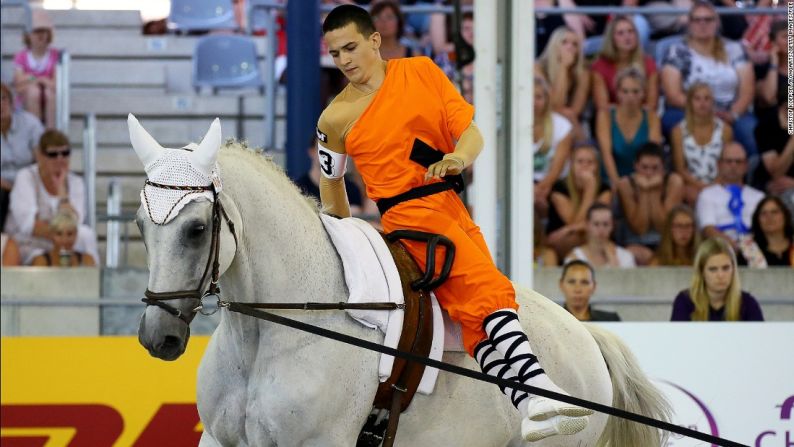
pixel 344 15
pixel 52 138
pixel 649 149
pixel 577 263
pixel 596 207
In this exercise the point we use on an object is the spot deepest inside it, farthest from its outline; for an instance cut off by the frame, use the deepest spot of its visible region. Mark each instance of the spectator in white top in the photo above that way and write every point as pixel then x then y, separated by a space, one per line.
pixel 552 134
pixel 20 134
pixel 599 250
pixel 725 209
pixel 722 64
pixel 40 192
pixel 697 141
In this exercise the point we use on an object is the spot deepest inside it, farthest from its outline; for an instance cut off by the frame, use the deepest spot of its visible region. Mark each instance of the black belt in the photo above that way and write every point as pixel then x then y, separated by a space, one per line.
pixel 415 193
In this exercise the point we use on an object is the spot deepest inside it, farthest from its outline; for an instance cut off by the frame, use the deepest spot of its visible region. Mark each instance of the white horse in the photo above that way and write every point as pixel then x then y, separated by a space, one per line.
pixel 261 384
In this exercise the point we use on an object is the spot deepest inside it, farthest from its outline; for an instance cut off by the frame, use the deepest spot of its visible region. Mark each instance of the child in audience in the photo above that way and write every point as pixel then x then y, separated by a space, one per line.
pixel 716 293
pixel 599 250
pixel 621 49
pixel 34 71
pixel 646 196
pixel 680 238
pixel 63 228
pixel 697 141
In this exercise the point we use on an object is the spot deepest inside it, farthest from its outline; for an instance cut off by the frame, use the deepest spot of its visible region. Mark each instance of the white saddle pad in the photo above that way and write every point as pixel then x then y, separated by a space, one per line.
pixel 371 276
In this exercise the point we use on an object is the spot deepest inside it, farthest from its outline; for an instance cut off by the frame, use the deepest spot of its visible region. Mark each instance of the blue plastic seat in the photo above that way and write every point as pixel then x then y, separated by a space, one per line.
pixel 201 15
pixel 226 61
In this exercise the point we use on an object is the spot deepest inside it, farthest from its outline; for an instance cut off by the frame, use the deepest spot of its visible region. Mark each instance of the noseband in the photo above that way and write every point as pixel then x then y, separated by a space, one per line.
pixel 158 298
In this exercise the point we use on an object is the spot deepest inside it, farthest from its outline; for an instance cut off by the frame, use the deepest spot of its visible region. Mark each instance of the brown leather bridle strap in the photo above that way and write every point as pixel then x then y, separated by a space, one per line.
pixel 320 306
pixel 157 298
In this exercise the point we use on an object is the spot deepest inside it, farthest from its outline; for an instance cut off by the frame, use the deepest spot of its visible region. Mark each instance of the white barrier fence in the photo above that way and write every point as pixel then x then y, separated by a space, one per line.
pixel 733 380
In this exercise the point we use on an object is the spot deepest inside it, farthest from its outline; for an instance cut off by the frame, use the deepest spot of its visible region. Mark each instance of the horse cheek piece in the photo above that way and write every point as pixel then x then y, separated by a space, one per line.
pixel 165 328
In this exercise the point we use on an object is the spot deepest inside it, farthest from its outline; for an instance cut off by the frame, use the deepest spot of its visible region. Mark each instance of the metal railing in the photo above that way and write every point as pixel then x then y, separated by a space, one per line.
pixel 62 91
pixel 89 167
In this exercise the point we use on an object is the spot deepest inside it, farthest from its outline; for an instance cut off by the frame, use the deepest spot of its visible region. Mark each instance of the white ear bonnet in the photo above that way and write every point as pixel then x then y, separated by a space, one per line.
pixel 191 166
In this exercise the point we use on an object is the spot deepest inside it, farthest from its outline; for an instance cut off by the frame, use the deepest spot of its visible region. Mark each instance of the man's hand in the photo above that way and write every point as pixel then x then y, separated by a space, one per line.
pixel 450 165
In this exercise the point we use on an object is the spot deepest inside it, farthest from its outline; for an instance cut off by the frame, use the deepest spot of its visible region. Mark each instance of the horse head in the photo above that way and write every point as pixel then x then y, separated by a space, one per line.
pixel 178 216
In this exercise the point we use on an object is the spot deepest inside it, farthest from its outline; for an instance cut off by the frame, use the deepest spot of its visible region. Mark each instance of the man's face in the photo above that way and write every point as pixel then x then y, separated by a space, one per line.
pixel 577 286
pixel 733 164
pixel 354 54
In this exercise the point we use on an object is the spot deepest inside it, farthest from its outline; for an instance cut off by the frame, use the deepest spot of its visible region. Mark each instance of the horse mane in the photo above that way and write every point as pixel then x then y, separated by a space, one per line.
pixel 263 163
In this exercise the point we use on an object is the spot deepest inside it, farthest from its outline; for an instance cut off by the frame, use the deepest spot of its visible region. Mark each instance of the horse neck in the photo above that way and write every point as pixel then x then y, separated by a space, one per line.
pixel 283 253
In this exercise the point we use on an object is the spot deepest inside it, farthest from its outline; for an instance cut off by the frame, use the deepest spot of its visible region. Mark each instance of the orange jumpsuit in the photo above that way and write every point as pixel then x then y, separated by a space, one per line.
pixel 417 101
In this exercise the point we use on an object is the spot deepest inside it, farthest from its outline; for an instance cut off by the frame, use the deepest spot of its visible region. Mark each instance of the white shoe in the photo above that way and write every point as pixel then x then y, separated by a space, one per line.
pixel 533 431
pixel 540 408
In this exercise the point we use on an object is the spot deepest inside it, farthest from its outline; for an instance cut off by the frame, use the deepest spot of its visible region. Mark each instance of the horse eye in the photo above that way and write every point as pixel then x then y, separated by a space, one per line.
pixel 196 230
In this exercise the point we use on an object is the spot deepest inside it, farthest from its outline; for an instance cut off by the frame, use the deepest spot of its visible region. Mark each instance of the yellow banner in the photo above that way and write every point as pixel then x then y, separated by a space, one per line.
pixel 96 392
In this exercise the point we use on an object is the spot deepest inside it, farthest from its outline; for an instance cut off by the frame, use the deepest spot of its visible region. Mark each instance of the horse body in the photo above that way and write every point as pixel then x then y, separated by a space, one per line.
pixel 261 384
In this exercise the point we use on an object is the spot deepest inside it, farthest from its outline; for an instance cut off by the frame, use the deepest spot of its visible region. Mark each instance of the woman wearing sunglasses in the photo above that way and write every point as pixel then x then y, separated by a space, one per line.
pixel 43 190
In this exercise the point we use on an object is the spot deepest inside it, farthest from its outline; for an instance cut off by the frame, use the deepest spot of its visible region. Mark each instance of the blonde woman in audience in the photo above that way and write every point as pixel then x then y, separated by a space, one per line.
pixel 626 127
pixel 562 65
pixel 705 56
pixel 570 199
pixel 63 228
pixel 716 293
pixel 552 134
pixel 9 251
pixel 599 250
pixel 697 141
pixel 621 49
pixel 680 238
pixel 40 192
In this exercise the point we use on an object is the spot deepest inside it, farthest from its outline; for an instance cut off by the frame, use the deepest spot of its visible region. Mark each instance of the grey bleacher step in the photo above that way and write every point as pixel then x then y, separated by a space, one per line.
pixel 111 45
pixel 112 133
pixel 87 18
pixel 118 72
pixel 175 105
pixel 136 254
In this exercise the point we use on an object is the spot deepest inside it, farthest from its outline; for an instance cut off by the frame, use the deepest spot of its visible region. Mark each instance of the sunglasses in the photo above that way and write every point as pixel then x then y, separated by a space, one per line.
pixel 64 153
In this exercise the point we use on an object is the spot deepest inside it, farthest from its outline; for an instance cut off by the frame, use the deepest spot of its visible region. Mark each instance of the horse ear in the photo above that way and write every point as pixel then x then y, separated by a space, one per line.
pixel 147 148
pixel 207 152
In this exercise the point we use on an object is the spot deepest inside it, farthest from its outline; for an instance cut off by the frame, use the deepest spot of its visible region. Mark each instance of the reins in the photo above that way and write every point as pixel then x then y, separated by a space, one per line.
pixel 251 309
pixel 248 309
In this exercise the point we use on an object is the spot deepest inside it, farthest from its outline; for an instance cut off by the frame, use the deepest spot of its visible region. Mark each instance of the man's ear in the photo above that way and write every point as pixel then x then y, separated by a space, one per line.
pixel 375 39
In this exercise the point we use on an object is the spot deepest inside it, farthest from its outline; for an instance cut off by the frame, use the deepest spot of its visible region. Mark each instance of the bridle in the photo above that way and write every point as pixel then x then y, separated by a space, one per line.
pixel 158 298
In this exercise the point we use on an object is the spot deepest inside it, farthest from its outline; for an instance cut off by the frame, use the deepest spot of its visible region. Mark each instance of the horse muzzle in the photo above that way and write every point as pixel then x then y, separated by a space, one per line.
pixel 166 340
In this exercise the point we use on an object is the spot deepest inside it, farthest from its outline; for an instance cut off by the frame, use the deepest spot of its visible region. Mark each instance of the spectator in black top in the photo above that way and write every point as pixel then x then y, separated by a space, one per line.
pixel 389 22
pixel 773 76
pixel 578 284
pixel 773 232
pixel 775 173
pixel 572 197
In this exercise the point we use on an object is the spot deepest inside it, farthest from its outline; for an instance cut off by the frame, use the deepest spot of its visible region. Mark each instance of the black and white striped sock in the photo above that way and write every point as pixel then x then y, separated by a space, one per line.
pixel 492 363
pixel 508 337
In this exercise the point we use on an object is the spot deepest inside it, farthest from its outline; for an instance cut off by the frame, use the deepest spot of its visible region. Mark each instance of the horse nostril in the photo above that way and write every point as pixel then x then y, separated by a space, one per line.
pixel 171 342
